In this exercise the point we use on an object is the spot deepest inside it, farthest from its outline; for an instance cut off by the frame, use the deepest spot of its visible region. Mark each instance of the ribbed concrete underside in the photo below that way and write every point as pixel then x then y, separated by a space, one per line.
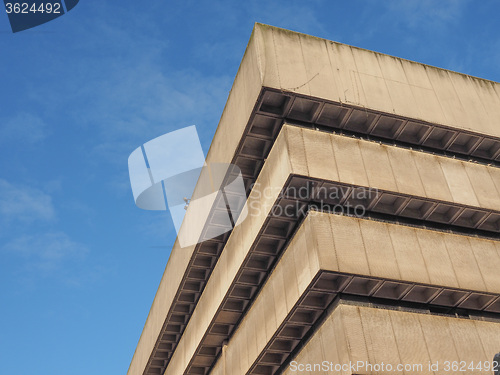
pixel 253 247
pixel 334 256
pixel 424 168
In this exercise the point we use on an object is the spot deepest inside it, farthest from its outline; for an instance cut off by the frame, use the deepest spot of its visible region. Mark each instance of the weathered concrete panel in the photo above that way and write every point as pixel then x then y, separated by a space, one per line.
pixel 398 337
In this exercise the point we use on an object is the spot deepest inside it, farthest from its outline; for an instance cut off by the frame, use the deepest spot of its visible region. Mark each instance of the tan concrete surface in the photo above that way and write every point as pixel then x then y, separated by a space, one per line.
pixel 293 153
pixel 274 174
pixel 346 74
pixel 317 67
pixel 312 250
pixel 397 169
pixel 355 333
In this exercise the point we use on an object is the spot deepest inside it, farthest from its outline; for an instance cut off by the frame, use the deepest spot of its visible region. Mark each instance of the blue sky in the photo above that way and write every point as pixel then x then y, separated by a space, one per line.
pixel 79 262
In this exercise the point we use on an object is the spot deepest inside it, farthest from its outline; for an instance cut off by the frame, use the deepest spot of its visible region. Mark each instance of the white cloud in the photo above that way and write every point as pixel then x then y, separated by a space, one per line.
pixel 130 100
pixel 46 252
pixel 137 105
pixel 23 203
pixel 23 127
pixel 426 13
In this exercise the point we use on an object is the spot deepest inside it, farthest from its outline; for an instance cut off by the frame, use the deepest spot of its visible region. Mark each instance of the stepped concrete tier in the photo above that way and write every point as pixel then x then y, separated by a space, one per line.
pixel 372 234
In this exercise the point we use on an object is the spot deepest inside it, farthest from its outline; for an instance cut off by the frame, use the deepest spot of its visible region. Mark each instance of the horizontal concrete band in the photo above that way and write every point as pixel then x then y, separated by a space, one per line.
pixel 332 254
pixel 363 163
pixel 313 74
pixel 378 336
pixel 394 262
pixel 295 151
pixel 430 168
pixel 275 108
pixel 320 68
pixel 391 180
pixel 353 161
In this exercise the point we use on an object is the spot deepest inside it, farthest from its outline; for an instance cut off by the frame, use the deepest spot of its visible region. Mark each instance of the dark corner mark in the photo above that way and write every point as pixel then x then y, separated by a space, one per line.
pixel 26 14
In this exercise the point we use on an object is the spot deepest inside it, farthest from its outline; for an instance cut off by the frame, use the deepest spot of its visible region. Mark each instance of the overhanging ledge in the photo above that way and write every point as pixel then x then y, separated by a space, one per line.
pixel 254 246
pixel 316 88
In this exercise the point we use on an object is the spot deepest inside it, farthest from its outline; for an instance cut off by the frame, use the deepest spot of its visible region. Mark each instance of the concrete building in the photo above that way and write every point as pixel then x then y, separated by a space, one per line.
pixel 373 189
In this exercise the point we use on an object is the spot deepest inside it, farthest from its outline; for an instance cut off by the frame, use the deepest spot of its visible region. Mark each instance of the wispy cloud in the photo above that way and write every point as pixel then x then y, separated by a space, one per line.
pixel 426 13
pixel 47 252
pixel 20 203
pixel 23 127
pixel 135 97
pixel 49 257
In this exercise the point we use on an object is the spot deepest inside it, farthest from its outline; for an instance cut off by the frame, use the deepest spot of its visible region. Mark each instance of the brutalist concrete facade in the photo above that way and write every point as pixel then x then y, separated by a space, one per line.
pixel 372 234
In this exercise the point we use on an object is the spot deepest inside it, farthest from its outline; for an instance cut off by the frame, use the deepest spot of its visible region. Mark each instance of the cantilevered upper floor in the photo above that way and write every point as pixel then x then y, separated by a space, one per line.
pixel 393 104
